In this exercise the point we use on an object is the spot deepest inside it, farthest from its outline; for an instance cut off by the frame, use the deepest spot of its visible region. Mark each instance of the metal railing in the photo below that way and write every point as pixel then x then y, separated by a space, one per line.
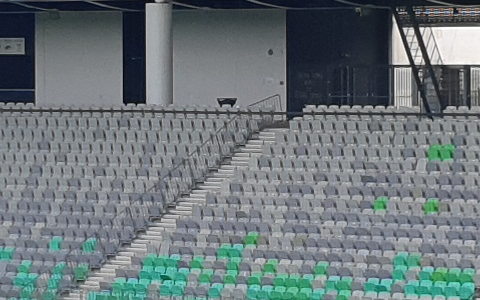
pixel 380 85
pixel 185 174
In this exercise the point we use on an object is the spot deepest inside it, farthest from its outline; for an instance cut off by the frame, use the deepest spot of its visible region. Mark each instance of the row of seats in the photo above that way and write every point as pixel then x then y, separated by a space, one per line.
pixel 118 123
pixel 383 109
pixel 318 213
pixel 379 124
pixel 69 178
pixel 332 177
pixel 322 164
pixel 391 140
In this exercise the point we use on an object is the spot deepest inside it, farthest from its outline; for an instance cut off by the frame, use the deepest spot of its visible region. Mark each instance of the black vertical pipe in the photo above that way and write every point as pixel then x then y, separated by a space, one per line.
pixel 426 58
pixel 411 61
pixel 467 85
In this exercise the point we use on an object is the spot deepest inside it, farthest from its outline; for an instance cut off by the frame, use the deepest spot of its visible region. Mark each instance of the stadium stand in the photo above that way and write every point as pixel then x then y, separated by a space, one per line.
pixel 347 203
pixel 78 183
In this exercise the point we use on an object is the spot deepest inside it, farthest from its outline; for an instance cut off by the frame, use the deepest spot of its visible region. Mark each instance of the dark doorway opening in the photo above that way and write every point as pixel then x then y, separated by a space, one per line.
pixel 17 71
pixel 134 57
pixel 338 57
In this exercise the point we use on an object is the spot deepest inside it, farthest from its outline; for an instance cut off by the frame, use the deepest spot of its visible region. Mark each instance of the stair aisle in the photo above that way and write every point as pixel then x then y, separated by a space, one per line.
pixel 151 241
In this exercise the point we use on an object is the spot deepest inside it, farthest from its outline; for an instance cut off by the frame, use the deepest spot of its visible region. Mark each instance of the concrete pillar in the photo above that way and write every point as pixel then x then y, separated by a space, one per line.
pixel 159 53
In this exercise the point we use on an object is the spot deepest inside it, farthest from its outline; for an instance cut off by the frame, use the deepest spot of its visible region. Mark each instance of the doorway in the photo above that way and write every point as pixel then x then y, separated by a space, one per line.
pixel 17 58
pixel 337 57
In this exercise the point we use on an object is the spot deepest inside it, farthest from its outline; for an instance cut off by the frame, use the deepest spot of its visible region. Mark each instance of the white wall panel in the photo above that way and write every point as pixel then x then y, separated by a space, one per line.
pixel 79 58
pixel 234 53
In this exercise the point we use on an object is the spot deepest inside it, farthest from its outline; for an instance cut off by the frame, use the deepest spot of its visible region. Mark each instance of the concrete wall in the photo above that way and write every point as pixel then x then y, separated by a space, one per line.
pixel 227 54
pixel 79 58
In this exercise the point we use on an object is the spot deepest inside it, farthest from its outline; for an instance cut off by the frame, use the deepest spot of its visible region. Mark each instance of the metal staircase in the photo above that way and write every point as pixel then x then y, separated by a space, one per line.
pixel 423 56
pixel 430 43
pixel 151 240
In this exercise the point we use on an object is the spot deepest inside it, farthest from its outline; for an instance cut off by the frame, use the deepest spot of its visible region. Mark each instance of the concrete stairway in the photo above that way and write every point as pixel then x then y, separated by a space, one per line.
pixel 151 240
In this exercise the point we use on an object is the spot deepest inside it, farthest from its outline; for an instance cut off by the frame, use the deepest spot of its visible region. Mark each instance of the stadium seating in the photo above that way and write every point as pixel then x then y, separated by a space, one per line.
pixel 338 206
pixel 76 184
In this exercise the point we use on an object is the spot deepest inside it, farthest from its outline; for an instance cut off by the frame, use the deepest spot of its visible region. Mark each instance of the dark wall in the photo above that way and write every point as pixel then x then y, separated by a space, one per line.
pixel 333 57
pixel 134 57
pixel 17 72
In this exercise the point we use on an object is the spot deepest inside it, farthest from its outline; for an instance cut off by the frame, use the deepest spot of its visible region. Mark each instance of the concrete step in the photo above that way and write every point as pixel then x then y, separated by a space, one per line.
pixel 153 237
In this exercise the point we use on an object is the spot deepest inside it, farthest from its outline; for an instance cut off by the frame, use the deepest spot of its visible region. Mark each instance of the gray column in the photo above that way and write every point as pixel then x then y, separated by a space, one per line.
pixel 159 53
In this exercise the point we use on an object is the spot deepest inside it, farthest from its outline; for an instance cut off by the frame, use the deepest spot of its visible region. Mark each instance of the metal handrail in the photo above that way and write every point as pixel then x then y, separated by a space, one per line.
pixel 185 163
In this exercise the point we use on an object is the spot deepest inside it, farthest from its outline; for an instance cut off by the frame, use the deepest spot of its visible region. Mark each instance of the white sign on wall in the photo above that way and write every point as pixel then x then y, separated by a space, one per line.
pixel 12 46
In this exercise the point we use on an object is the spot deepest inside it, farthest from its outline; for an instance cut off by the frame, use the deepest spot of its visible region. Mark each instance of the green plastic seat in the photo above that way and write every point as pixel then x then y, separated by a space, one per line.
pixel 344 284
pixel 270 266
pixel 27 292
pixel 304 294
pixel 291 293
pixel 371 285
pixel 414 260
pixel 149 261
pixel 411 287
pixel 467 275
pixel 452 289
pixel 215 290
pixel 234 253
pixel 165 290
pixel 224 251
pixel 305 283
pixel 317 294
pixel 130 285
pixel 399 272
pixel 56 244
pixel 425 287
pixel 89 245
pixel 400 259
pixel 146 272
pixel 380 203
pixel 331 283
pixel 171 262
pixel 385 285
pixel 277 292
pixel 231 265
pixel 231 277
pixel 431 206
pixel 180 276
pixel 205 278
pixel 321 268
pixel 292 281
pixel 344 295
pixel 453 275
pixel 197 262
pixel 426 273
pixel 279 280
pixel 81 272
pixel 434 152
pixel 6 253
pixel 466 290
pixel 142 286
pixel 445 154
pixel 439 274
pixel 239 247
pixel 177 290
pixel 119 284
pixel 254 279
pixel 264 294
pixel 21 279
pixel 438 288
pixel 59 268
pixel 160 261
pixel 252 291
pixel 251 238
